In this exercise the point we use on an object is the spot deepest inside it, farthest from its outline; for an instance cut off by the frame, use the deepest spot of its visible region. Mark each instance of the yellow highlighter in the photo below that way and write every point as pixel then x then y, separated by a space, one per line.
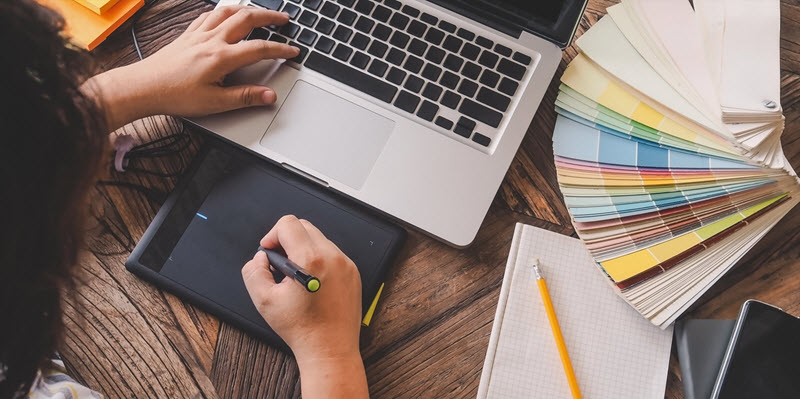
pixel 551 316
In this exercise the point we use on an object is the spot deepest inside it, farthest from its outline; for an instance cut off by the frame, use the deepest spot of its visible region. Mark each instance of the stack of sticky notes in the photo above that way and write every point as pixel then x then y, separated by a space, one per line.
pixel 667 145
pixel 89 22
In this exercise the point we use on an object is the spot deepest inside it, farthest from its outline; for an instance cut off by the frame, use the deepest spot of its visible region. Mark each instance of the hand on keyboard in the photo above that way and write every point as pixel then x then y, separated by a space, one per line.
pixel 184 77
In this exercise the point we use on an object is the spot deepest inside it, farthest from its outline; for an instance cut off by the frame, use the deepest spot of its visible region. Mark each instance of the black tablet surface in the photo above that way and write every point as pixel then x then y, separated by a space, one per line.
pixel 212 222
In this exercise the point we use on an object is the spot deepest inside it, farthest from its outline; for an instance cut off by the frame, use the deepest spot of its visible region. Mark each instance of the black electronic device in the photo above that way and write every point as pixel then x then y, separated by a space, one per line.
pixel 763 356
pixel 212 222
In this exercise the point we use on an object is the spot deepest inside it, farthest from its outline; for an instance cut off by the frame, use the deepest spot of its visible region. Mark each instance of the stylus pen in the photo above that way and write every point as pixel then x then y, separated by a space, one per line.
pixel 291 269
pixel 551 316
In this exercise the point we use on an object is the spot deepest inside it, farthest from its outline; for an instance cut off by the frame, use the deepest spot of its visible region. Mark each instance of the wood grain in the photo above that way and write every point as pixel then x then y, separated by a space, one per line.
pixel 126 338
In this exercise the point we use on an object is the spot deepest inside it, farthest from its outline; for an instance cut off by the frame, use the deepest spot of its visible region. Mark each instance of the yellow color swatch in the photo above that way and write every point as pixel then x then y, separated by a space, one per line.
pixel 632 264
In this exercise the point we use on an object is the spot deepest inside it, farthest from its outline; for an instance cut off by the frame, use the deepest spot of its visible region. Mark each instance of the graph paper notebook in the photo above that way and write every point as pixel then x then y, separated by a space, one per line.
pixel 615 352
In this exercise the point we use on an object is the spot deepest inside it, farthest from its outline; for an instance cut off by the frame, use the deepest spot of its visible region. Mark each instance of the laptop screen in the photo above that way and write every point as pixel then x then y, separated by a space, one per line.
pixel 554 20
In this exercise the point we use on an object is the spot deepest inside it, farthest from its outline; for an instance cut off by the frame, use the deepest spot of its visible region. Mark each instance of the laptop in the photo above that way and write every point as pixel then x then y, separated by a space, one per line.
pixel 414 108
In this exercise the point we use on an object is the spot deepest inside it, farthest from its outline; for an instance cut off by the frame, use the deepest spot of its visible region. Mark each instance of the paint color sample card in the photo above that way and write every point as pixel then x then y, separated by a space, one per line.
pixel 614 351
pixel 665 191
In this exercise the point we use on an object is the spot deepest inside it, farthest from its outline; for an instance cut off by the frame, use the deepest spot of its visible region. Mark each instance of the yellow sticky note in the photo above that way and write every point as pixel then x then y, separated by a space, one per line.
pixel 368 317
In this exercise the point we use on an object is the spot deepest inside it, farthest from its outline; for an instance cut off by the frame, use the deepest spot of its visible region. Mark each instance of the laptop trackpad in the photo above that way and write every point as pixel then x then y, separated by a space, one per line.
pixel 324 132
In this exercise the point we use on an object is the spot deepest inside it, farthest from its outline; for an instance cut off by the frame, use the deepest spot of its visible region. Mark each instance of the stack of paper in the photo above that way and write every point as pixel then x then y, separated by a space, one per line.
pixel 85 27
pixel 618 355
pixel 665 191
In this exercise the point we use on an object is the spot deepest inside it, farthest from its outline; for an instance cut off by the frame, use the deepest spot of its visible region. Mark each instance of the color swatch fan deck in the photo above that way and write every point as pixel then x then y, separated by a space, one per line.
pixel 667 145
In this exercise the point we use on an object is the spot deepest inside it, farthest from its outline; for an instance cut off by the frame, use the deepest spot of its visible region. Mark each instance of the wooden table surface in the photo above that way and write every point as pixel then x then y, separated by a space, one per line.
pixel 126 338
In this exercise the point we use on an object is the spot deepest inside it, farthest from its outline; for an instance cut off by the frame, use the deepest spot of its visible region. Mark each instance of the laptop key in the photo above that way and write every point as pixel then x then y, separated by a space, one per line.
pixel 452 44
pixel 444 123
pixel 324 44
pixel 289 29
pixel 484 42
pixel 359 60
pixel 414 83
pixel 435 55
pixel 269 4
pixel 382 32
pixel 342 52
pixel 259 33
pixel 429 19
pixel 410 11
pixel 413 64
pixel 364 24
pixel 488 59
pixel 465 34
pixel 399 39
pixel 511 68
pixel 360 41
pixel 312 4
pixel 508 86
pixel 480 112
pixel 352 77
pixel 434 36
pixel 471 70
pixel 453 62
pixel 502 50
pixel 450 99
pixel 342 33
pixel 292 10
pixel 417 47
pixel 407 101
pixel 489 78
pixel 378 68
pixel 522 58
pixel 428 110
pixel 470 51
pixel 481 139
pixel 393 4
pixel 329 9
pixel 432 91
pixel 303 52
pixel 307 37
pixel 449 80
pixel 346 3
pixel 416 28
pixel 395 56
pixel 431 72
pixel 364 6
pixel 399 21
pixel 396 75
pixel 493 99
pixel 347 17
pixel 462 131
pixel 378 49
pixel 381 13
pixel 325 26
pixel 467 87
pixel 277 38
pixel 307 18
pixel 447 26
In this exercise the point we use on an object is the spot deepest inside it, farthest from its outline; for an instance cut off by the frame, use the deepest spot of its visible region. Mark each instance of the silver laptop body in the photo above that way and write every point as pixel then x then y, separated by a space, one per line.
pixel 395 155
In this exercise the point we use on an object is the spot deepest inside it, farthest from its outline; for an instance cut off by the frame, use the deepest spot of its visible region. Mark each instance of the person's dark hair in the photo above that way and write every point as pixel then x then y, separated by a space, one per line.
pixel 53 142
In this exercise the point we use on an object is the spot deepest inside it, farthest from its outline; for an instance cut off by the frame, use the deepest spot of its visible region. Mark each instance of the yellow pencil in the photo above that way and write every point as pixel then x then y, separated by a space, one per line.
pixel 562 347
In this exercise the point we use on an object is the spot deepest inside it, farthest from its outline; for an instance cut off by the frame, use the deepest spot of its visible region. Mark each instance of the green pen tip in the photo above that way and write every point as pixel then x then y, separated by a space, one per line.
pixel 313 285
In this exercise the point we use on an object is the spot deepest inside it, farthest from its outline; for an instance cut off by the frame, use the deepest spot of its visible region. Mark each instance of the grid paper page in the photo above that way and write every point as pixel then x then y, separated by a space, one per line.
pixel 615 352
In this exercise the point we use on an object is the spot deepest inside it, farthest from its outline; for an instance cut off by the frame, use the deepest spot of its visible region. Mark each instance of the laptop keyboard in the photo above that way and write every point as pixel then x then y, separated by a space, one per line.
pixel 428 67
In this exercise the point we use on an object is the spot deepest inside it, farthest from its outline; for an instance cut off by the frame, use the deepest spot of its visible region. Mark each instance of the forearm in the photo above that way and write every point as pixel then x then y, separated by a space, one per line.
pixel 333 378
pixel 120 97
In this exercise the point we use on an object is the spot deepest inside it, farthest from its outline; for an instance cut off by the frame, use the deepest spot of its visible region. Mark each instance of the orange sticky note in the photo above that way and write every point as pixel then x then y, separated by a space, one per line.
pixel 87 29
